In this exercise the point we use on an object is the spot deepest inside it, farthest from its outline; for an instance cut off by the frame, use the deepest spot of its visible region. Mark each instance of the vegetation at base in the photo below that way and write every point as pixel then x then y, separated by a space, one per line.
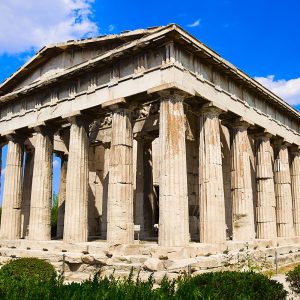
pixel 293 278
pixel 19 277
pixel 32 278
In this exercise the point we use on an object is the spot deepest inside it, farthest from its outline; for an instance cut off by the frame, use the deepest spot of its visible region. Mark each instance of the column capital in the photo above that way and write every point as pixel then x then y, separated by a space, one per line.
pixel 16 137
pixel 295 150
pixel 280 142
pixel 263 135
pixel 241 123
pixel 119 103
pixel 44 129
pixel 144 137
pixel 173 95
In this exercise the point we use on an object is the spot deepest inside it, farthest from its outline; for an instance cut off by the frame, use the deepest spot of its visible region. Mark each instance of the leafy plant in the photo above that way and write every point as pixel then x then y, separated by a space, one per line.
pixel 231 285
pixel 34 279
pixel 293 278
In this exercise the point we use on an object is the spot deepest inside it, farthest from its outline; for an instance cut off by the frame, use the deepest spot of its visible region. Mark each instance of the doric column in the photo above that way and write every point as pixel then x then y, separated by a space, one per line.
pixel 62 196
pixel 284 208
pixel 173 192
pixel 145 207
pixel 295 180
pixel 266 202
pixel 27 185
pixel 139 184
pixel 211 190
pixel 76 204
pixel 241 185
pixel 41 191
pixel 12 193
pixel 104 180
pixel 120 190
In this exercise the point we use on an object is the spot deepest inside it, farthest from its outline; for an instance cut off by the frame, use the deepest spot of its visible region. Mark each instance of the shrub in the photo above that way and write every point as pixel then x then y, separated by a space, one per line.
pixel 212 286
pixel 230 285
pixel 22 276
pixel 293 278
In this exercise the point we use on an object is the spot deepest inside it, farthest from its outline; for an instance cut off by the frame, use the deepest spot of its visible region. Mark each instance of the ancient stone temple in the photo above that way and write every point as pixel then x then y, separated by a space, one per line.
pixel 161 141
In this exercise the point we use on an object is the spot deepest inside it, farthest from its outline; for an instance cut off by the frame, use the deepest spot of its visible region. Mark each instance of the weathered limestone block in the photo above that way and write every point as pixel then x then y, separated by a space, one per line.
pixel 76 207
pixel 284 207
pixel 120 194
pixel 173 192
pixel 153 264
pixel 241 185
pixel 211 189
pixel 41 192
pixel 266 202
pixel 26 197
pixel 295 180
pixel 12 194
pixel 62 196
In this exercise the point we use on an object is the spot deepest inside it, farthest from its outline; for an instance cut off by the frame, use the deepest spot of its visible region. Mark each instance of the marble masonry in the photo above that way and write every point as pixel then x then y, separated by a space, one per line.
pixel 162 143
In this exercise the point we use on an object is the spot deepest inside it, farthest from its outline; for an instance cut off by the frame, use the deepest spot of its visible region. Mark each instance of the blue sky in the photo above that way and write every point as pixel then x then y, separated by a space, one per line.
pixel 260 37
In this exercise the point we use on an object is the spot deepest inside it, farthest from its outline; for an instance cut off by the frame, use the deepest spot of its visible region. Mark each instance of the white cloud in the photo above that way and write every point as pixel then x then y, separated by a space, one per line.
pixel 27 25
pixel 56 163
pixel 111 28
pixel 195 24
pixel 289 90
pixel 3 171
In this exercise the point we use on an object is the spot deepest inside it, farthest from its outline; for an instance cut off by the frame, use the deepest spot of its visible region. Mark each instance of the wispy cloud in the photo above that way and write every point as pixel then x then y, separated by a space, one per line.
pixel 195 23
pixel 3 171
pixel 289 90
pixel 111 28
pixel 56 163
pixel 27 25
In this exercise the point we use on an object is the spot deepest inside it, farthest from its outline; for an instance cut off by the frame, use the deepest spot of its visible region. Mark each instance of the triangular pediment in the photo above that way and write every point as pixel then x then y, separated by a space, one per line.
pixel 57 58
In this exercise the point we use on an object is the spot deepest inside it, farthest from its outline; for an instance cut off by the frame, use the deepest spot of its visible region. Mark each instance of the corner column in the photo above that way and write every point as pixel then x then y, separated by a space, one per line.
pixel 76 204
pixel 212 203
pixel 173 192
pixel 295 180
pixel 12 193
pixel 284 206
pixel 241 185
pixel 41 192
pixel 266 202
pixel 120 190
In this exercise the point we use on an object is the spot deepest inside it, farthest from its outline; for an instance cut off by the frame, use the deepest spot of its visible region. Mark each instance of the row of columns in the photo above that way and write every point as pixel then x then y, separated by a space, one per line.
pixel 278 192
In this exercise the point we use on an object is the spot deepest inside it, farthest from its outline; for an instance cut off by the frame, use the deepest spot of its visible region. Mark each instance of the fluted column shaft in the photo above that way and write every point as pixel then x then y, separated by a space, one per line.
pixel 76 205
pixel 145 208
pixel 139 186
pixel 120 190
pixel 284 208
pixel 12 193
pixel 295 180
pixel 211 190
pixel 266 202
pixel 41 191
pixel 173 192
pixel 27 187
pixel 241 185
pixel 62 196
